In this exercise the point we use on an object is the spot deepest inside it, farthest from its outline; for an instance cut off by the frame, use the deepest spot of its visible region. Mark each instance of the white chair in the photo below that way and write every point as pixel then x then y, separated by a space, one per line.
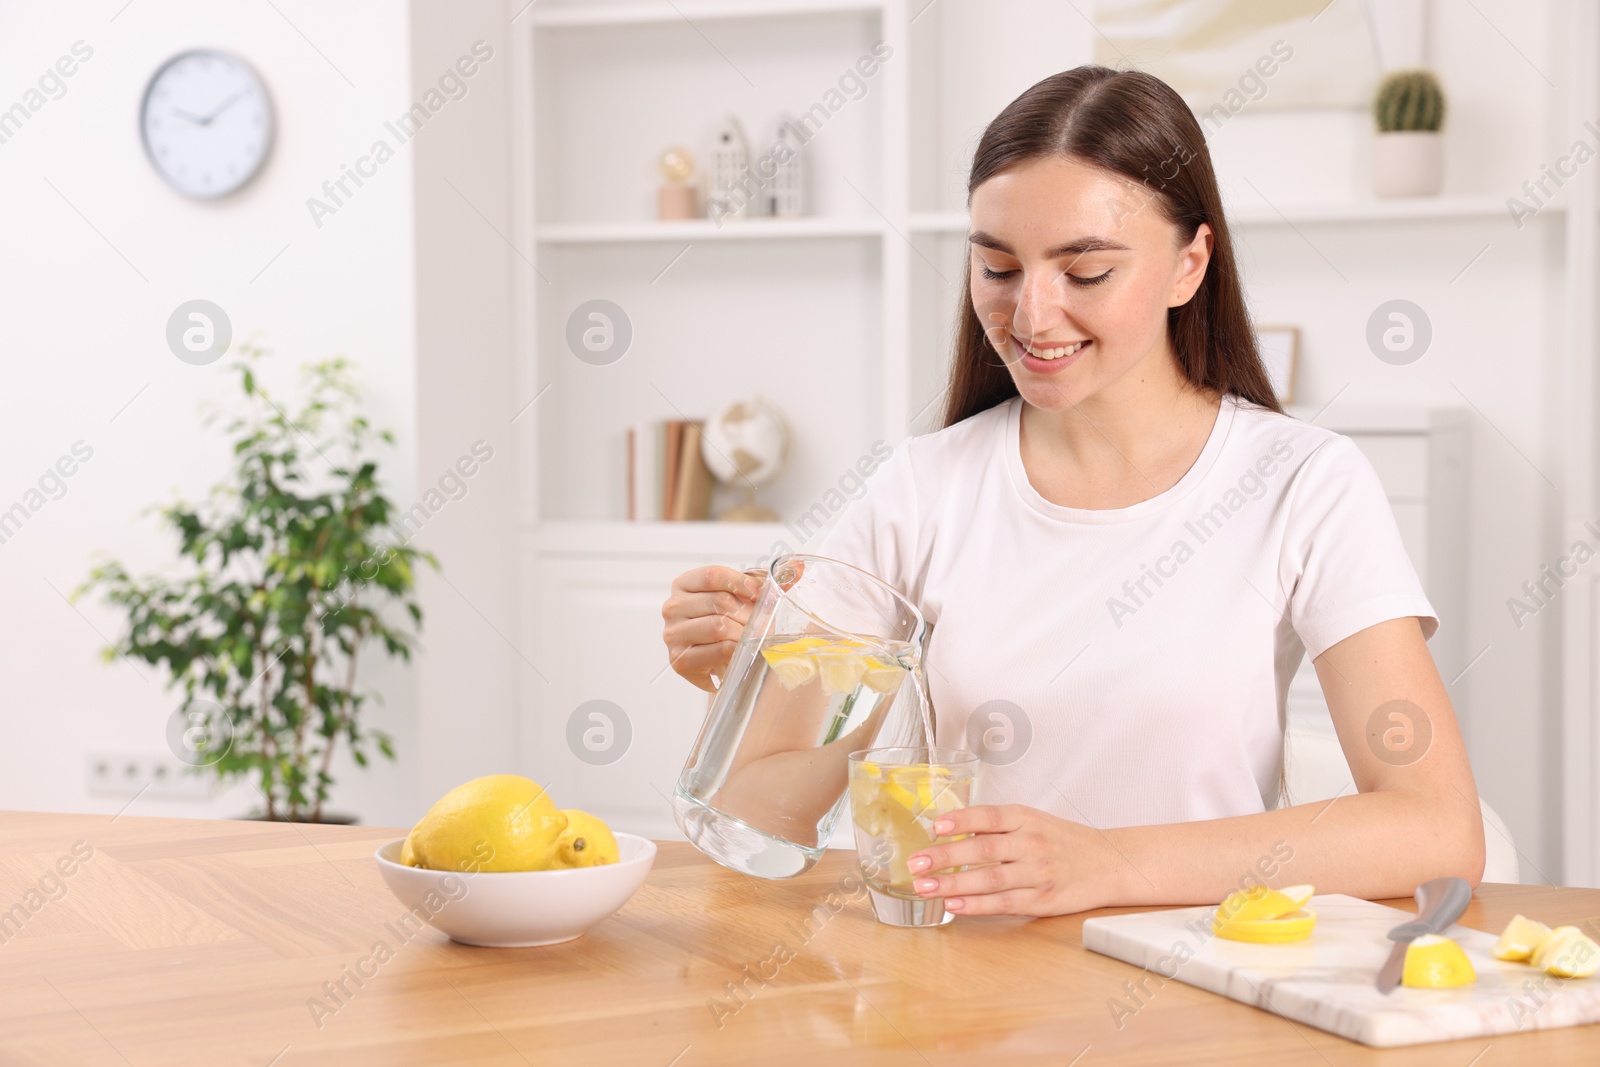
pixel 1315 769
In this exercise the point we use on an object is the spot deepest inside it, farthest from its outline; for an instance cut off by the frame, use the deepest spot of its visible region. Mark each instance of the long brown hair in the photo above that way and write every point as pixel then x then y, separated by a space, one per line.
pixel 1133 124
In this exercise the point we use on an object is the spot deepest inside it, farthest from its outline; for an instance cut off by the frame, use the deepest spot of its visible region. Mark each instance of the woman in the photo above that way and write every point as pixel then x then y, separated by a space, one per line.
pixel 1120 540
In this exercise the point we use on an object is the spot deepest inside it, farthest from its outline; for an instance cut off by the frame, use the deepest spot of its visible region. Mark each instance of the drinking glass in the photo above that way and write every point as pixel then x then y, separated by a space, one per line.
pixel 896 794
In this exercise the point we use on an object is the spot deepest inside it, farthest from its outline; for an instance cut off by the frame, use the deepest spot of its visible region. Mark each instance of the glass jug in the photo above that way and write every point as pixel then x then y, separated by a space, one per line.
pixel 820 672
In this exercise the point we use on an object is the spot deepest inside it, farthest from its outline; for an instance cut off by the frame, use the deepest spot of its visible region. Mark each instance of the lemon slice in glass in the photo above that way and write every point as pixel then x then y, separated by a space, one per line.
pixel 1435 962
pixel 1567 953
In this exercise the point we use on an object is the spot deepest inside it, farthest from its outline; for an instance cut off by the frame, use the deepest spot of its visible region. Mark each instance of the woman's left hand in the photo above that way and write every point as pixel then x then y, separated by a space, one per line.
pixel 1023 862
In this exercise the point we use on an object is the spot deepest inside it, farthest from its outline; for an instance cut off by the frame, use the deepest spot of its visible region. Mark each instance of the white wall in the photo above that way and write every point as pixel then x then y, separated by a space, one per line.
pixel 1495 349
pixel 88 286
pixel 468 670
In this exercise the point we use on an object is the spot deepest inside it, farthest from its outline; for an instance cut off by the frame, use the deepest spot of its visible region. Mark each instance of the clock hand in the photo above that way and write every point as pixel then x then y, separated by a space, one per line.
pixel 192 118
pixel 226 104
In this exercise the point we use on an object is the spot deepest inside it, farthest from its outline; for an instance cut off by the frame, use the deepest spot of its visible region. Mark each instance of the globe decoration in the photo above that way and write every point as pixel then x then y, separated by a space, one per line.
pixel 745 445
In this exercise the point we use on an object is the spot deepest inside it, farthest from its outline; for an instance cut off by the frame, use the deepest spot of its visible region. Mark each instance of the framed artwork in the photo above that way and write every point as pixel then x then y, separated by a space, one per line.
pixel 1269 55
pixel 1279 346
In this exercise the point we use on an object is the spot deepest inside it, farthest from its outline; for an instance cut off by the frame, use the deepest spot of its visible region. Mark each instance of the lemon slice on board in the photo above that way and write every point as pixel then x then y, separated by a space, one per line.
pixel 1567 953
pixel 1435 962
pixel 1256 904
pixel 1295 926
pixel 1300 894
pixel 1266 916
pixel 1521 939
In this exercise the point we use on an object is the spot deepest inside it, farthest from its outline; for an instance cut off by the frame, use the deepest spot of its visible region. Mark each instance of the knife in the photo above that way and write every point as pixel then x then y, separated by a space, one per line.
pixel 1440 902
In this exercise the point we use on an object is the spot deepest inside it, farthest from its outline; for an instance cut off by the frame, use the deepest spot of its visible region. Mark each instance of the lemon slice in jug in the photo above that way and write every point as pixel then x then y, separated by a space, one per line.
pixel 791 661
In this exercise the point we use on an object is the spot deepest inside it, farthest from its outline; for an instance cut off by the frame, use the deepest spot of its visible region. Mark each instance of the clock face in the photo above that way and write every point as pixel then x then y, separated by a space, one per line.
pixel 207 123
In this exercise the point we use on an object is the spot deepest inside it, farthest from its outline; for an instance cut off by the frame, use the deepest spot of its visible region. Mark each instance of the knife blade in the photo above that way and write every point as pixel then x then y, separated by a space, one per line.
pixel 1440 902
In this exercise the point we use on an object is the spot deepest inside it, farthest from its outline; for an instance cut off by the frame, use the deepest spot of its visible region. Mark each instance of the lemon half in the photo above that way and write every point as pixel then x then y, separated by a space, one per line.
pixel 1435 962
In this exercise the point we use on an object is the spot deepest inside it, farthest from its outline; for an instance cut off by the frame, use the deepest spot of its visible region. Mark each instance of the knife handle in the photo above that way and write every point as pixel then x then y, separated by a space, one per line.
pixel 1440 902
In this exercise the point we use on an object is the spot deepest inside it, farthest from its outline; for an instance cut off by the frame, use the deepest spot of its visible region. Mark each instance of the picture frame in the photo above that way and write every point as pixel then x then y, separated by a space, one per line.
pixel 1280 348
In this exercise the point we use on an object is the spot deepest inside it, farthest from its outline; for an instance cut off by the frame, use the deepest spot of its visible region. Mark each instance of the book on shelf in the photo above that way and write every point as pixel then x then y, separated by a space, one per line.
pixel 668 480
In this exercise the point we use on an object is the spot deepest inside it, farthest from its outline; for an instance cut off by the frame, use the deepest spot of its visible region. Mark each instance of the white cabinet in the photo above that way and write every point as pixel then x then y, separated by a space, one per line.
pixel 1420 456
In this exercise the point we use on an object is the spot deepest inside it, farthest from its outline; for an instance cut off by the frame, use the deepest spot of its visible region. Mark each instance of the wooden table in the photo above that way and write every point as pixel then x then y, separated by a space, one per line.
pixel 182 941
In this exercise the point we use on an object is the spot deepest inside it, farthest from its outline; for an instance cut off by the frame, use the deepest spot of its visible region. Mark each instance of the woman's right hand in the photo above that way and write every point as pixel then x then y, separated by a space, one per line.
pixel 704 617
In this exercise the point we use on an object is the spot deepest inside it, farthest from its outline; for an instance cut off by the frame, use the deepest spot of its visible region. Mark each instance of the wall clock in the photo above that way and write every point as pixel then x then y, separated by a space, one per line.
pixel 206 122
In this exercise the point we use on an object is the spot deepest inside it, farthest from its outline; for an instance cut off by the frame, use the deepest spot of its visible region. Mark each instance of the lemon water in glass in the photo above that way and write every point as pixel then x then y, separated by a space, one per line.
pixel 896 795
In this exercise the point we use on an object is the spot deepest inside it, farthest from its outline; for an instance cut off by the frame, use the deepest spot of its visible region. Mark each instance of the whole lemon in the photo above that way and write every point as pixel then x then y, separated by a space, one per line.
pixel 500 822
pixel 586 842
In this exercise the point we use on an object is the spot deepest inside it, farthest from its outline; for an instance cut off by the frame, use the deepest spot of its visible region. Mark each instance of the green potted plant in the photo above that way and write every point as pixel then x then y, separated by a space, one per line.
pixel 1408 151
pixel 290 573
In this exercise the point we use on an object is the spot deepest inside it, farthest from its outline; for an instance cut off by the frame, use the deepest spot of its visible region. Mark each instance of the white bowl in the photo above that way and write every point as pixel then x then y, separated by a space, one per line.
pixel 515 909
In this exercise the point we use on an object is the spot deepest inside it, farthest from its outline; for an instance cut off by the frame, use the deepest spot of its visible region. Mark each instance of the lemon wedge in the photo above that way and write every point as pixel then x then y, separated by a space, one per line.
pixel 840 669
pixel 792 670
pixel 881 678
pixel 799 644
pixel 791 661
pixel 1567 953
pixel 1521 939
pixel 923 790
pixel 1434 962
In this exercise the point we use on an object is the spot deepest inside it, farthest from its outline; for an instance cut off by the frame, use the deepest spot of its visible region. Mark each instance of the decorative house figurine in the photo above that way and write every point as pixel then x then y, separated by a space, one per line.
pixel 730 186
pixel 783 171
pixel 677 199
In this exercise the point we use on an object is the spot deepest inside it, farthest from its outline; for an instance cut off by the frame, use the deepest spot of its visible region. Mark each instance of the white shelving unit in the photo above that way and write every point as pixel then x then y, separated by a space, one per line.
pixel 842 317
pixel 633 13
pixel 809 312
pixel 1262 214
pixel 695 230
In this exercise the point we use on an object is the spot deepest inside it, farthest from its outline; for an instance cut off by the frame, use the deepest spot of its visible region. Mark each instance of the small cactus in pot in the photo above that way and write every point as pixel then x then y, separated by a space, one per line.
pixel 1408 151
pixel 1409 100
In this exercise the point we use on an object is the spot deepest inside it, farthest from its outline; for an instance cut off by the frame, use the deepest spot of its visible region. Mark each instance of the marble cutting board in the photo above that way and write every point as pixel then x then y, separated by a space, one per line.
pixel 1328 981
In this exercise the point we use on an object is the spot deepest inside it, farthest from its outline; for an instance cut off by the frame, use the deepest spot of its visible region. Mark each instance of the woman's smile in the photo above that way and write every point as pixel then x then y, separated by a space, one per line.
pixel 1048 357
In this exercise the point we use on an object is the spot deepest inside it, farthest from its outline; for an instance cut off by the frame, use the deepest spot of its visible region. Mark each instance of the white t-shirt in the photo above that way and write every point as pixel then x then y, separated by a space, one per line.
pixel 1130 666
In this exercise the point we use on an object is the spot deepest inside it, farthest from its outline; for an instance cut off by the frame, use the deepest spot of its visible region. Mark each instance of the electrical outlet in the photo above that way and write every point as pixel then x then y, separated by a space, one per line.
pixel 124 774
